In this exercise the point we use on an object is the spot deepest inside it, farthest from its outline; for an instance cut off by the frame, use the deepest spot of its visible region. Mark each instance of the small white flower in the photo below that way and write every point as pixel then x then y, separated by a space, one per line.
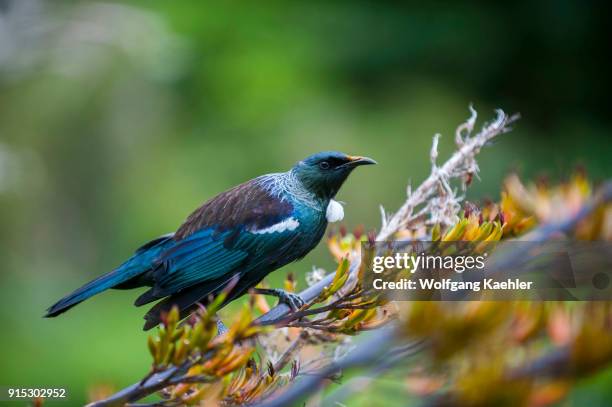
pixel 314 276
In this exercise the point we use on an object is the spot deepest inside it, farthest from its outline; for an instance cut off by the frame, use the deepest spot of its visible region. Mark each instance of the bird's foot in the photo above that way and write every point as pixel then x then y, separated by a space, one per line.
pixel 293 301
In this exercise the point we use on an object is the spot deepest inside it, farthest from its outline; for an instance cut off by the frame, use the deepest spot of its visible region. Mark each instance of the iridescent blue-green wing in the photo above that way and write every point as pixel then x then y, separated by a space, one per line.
pixel 220 239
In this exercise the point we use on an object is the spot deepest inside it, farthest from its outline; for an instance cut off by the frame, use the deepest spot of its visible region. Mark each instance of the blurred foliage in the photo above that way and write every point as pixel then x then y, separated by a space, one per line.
pixel 517 353
pixel 118 118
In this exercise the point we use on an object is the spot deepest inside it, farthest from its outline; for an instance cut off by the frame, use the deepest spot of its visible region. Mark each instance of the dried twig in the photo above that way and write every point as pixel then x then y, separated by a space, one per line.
pixel 435 194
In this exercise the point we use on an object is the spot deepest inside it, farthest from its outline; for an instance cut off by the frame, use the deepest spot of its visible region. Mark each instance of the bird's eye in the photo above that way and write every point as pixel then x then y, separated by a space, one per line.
pixel 324 165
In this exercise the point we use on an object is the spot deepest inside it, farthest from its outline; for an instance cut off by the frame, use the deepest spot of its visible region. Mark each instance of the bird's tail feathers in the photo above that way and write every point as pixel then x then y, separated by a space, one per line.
pixel 129 275
pixel 90 289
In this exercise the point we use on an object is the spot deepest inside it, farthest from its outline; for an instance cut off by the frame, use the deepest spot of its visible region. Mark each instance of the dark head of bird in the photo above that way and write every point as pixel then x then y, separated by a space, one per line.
pixel 324 173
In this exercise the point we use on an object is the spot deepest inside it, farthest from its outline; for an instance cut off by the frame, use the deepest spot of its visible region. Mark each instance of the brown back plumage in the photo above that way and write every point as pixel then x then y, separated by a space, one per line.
pixel 247 204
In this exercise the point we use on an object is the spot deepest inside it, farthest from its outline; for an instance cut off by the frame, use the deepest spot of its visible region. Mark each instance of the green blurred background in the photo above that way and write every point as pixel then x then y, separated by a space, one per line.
pixel 119 118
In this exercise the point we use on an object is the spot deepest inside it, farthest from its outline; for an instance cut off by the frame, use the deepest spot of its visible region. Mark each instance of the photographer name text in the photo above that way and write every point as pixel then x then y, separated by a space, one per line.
pixel 456 263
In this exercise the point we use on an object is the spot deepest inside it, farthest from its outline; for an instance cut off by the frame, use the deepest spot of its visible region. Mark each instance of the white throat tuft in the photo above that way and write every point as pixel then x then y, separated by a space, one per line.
pixel 335 211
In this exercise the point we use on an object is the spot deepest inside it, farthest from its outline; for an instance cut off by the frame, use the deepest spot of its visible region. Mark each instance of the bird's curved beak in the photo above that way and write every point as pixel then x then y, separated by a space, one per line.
pixel 355 160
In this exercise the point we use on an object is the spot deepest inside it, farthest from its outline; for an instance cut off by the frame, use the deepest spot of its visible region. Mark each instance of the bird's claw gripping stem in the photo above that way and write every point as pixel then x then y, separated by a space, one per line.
pixel 293 301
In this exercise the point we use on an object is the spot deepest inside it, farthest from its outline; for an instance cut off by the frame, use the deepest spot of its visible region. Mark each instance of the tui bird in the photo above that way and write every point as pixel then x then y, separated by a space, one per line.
pixel 236 238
